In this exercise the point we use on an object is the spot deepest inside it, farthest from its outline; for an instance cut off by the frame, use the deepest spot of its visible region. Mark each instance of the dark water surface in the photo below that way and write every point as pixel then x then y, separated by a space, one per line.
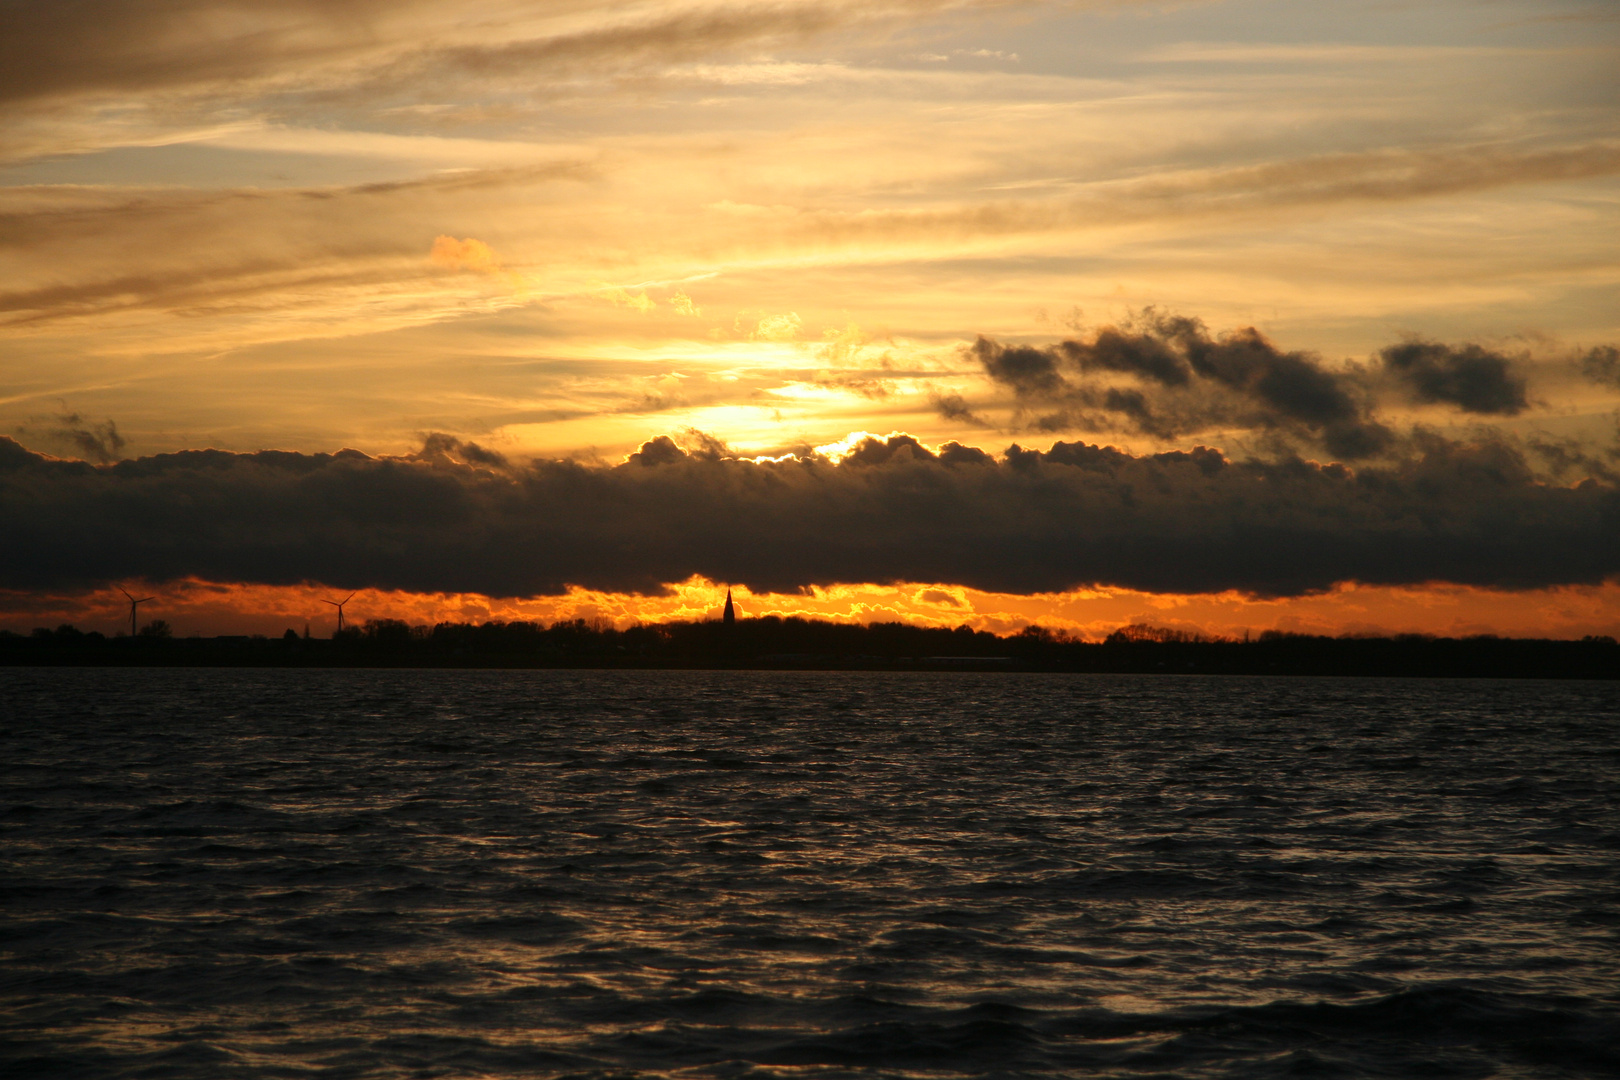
pixel 478 874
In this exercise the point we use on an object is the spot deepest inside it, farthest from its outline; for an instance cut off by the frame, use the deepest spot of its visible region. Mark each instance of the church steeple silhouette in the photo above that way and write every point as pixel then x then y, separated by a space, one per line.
pixel 730 616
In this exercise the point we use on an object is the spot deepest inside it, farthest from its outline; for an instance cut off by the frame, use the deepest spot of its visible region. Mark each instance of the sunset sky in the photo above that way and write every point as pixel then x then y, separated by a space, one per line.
pixel 1219 315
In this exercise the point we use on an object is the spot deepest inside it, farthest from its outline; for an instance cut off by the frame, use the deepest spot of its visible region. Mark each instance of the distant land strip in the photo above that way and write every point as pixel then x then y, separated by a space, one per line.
pixel 774 643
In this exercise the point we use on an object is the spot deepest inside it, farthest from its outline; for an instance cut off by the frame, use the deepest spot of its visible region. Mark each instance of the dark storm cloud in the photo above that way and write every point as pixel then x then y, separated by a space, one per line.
pixel 1189 381
pixel 1074 515
pixel 1472 378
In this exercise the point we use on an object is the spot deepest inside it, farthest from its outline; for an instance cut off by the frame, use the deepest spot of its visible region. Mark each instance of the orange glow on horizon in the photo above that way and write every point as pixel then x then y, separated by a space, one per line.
pixel 208 608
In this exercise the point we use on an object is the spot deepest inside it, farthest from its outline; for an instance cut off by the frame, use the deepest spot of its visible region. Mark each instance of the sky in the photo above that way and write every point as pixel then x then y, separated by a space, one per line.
pixel 1227 315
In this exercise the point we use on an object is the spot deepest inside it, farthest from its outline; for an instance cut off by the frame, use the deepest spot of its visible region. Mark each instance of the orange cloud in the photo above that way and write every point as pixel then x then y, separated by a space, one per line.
pixel 468 254
pixel 638 301
pixel 781 327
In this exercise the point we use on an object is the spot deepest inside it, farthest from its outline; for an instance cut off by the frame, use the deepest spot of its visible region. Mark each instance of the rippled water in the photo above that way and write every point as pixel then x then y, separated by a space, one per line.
pixel 420 873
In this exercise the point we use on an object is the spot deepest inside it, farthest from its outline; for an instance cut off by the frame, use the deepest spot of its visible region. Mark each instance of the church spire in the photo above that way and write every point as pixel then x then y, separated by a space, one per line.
pixel 730 616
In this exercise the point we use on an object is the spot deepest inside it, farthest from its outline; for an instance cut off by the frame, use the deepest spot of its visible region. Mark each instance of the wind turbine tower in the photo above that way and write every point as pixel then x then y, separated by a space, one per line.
pixel 133 605
pixel 339 605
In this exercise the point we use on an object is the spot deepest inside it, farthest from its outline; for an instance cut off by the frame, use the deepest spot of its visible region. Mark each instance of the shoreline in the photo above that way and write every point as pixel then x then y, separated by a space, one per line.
pixel 1375 658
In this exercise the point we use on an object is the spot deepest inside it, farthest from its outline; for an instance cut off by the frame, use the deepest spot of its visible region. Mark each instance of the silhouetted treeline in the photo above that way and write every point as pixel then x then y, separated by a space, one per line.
pixel 773 642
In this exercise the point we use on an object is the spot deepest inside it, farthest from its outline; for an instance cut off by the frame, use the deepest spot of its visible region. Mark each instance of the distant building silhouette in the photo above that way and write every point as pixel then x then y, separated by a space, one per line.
pixel 730 616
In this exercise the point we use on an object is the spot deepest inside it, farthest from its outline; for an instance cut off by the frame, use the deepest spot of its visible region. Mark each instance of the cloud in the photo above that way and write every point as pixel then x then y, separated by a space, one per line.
pixel 1602 364
pixel 1565 457
pixel 843 345
pixel 953 406
pixel 783 327
pixel 681 36
pixel 59 49
pixel 440 447
pixel 245 47
pixel 637 301
pixel 98 442
pixel 1312 53
pixel 1470 377
pixel 1146 355
pixel 1187 381
pixel 112 251
pixel 1076 515
pixel 1236 192
pixel 1030 373
pixel 468 254
pixel 1167 376
pixel 976 54
pixel 940 596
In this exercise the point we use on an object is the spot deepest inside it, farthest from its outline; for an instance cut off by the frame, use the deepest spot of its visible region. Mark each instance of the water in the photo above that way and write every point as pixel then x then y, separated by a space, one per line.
pixel 688 874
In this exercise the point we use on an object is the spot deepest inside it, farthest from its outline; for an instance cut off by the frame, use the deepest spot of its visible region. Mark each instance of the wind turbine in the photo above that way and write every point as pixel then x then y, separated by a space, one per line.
pixel 133 604
pixel 339 605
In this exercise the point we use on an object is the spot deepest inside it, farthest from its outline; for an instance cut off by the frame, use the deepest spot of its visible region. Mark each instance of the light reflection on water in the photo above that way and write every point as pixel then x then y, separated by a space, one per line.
pixel 216 873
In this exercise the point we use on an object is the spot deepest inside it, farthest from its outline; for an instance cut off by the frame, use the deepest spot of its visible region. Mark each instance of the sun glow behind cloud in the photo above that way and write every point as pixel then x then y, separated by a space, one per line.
pixel 206 608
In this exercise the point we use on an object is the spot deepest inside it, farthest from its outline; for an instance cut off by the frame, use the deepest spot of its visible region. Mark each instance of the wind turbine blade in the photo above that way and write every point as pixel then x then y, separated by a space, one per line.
pixel 346 599
pixel 125 591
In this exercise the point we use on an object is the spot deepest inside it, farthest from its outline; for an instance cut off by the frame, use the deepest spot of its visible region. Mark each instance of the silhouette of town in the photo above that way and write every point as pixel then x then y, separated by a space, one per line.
pixel 773 642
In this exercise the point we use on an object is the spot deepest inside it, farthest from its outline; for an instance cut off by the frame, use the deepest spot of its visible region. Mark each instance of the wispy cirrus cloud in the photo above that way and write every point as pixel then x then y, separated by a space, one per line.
pixel 90 75
pixel 271 242
pixel 255 189
pixel 1270 189
pixel 1241 52
pixel 236 50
